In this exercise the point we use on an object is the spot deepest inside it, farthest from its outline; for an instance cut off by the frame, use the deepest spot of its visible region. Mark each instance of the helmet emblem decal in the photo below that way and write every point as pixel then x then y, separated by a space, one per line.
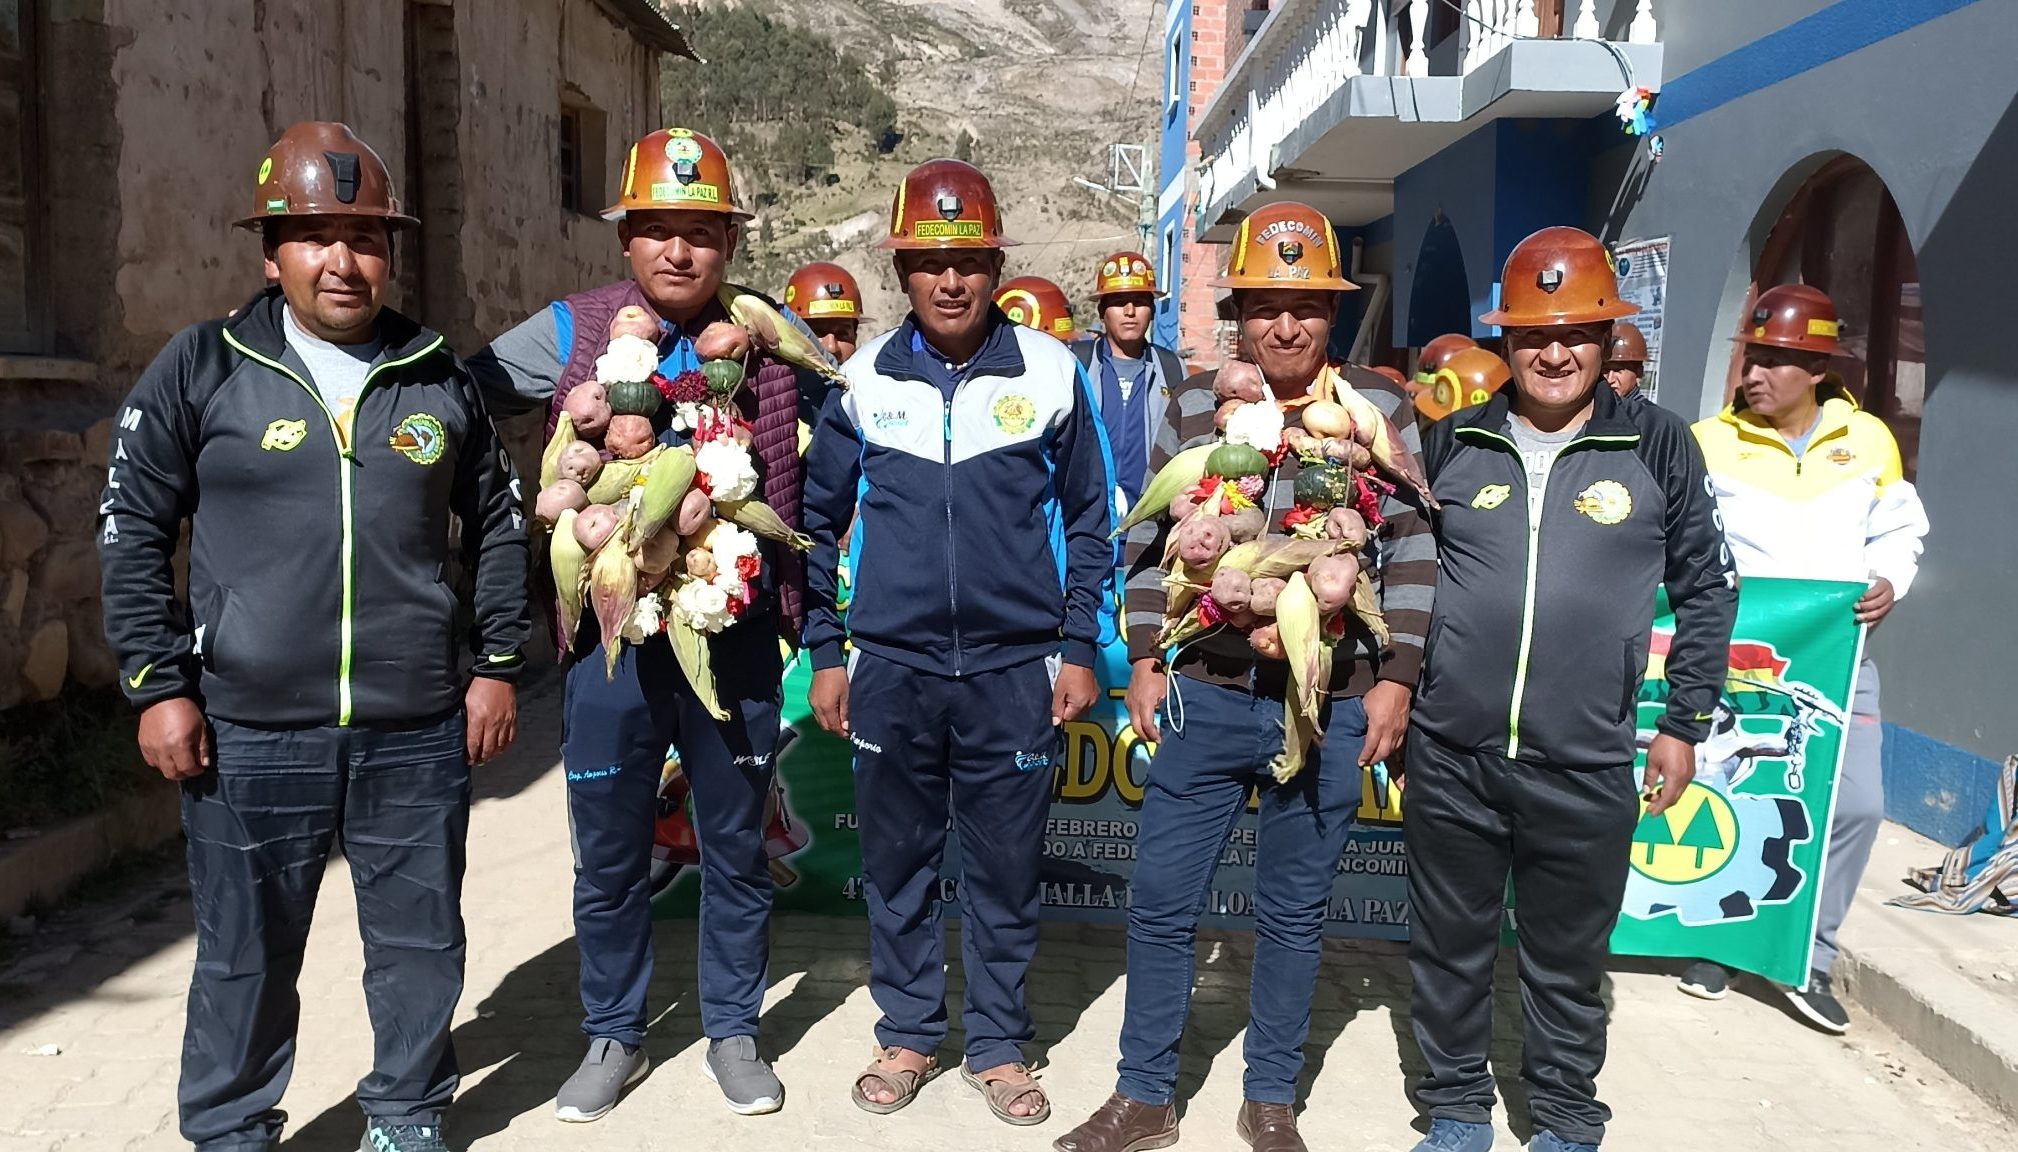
pixel 949 206
pixel 1549 279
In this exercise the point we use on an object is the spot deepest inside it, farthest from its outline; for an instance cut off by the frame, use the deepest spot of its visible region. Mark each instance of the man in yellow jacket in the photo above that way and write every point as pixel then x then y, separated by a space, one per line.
pixel 1810 487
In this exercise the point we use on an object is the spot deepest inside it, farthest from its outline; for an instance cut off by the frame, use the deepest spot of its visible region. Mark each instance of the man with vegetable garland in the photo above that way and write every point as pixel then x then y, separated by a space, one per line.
pixel 678 220
pixel 1564 508
pixel 965 438
pixel 1220 728
pixel 311 691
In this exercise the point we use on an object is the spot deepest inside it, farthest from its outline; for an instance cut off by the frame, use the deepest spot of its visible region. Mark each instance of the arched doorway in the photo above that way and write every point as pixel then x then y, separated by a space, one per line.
pixel 1841 232
pixel 1439 300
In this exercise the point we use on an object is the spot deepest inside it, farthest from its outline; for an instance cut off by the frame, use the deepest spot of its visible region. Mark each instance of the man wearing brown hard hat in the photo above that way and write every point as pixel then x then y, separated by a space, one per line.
pixel 982 571
pixel 1626 359
pixel 1520 754
pixel 678 220
pixel 314 690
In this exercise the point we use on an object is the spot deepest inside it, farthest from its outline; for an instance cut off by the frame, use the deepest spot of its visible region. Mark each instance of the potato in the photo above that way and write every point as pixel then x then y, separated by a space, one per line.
pixel 695 508
pixel 1267 642
pixel 629 437
pixel 1262 595
pixel 1237 380
pixel 1300 442
pixel 1347 525
pixel 1246 524
pixel 722 341
pixel 1202 540
pixel 633 320
pixel 1225 413
pixel 593 526
pixel 1231 589
pixel 580 462
pixel 1326 419
pixel 701 564
pixel 1331 579
pixel 657 555
pixel 558 497
pixel 1181 508
pixel 1243 619
pixel 588 405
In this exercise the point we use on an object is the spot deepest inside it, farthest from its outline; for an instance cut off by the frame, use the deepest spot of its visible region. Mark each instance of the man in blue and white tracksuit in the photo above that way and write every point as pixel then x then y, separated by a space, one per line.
pixel 981 567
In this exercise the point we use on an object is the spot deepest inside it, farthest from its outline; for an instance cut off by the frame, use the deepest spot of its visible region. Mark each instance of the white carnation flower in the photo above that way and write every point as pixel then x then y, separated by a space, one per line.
pixel 629 358
pixel 731 474
pixel 686 417
pixel 646 619
pixel 703 606
pixel 730 544
pixel 1256 423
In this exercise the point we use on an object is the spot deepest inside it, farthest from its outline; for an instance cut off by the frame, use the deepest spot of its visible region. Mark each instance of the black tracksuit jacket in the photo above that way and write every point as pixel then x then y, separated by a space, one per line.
pixel 1538 643
pixel 316 583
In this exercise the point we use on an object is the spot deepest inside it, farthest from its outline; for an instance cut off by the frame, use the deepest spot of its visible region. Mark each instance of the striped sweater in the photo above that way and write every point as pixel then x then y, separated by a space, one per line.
pixel 1402 551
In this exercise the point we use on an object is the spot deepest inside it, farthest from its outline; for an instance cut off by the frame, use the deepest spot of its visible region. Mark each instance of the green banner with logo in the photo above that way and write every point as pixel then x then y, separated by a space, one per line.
pixel 1733 872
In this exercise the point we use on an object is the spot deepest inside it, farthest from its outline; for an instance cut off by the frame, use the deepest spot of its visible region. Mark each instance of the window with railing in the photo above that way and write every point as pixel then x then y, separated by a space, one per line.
pixel 23 326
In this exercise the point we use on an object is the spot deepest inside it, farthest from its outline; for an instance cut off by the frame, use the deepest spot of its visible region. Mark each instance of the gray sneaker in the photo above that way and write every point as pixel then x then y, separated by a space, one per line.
pixel 748 1083
pixel 594 1089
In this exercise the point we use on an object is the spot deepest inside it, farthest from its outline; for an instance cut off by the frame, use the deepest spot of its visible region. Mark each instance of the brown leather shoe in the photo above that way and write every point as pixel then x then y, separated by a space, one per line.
pixel 1123 1125
pixel 1269 1127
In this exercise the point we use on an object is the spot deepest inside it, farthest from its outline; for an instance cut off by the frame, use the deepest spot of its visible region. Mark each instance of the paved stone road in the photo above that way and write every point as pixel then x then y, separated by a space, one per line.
pixel 105 984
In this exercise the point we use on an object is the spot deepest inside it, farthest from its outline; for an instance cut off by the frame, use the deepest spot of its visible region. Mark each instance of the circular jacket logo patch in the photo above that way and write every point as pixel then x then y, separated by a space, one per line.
pixel 420 438
pixel 1015 414
pixel 1606 502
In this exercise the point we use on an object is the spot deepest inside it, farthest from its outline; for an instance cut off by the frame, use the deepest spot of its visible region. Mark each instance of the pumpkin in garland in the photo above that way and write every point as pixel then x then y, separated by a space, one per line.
pixel 1323 485
pixel 1235 461
pixel 724 376
pixel 634 398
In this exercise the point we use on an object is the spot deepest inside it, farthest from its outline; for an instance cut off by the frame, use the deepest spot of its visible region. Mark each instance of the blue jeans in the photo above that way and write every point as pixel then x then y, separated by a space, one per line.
pixel 260 826
pixel 1198 785
pixel 613 747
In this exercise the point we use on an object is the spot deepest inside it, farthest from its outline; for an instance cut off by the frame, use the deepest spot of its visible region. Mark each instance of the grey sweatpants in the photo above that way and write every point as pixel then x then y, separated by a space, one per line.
pixel 1860 808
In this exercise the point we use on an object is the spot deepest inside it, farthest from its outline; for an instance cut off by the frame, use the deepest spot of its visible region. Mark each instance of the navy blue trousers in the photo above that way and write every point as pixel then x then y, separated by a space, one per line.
pixel 1199 782
pixel 260 826
pixel 613 746
pixel 982 748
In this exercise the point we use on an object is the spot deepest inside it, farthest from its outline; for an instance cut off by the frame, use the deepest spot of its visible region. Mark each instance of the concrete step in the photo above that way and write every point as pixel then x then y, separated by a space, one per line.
pixel 1948 985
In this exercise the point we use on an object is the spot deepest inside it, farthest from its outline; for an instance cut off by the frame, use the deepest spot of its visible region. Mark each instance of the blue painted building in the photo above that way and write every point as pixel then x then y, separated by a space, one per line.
pixel 1172 163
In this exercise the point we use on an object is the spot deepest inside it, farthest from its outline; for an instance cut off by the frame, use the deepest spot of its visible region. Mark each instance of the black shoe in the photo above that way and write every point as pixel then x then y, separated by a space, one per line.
pixel 382 1137
pixel 1819 1006
pixel 1706 981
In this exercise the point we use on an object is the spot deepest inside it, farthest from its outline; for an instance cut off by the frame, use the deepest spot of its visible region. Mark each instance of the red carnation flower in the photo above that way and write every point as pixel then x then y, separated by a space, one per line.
pixel 1367 492
pixel 748 567
pixel 1301 514
pixel 689 387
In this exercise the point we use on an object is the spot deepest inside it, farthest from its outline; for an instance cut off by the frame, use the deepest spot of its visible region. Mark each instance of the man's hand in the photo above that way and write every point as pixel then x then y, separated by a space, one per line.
pixel 1386 720
pixel 829 698
pixel 1146 686
pixel 1073 694
pixel 491 714
pixel 175 738
pixel 1876 603
pixel 1671 764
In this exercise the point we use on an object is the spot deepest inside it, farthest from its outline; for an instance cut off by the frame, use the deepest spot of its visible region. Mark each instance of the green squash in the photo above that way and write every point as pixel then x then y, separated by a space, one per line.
pixel 724 376
pixel 1233 461
pixel 634 398
pixel 1321 485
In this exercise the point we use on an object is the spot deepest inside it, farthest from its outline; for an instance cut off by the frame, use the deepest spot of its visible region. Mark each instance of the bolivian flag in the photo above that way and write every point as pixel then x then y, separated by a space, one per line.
pixel 1752 665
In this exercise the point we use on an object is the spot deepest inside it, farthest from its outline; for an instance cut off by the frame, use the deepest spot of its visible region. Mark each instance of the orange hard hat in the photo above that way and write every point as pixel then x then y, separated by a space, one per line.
pixel 1437 353
pixel 321 168
pixel 1035 302
pixel 1124 272
pixel 1795 316
pixel 1628 346
pixel 1558 276
pixel 823 291
pixel 1286 245
pixel 676 168
pixel 945 204
pixel 1468 378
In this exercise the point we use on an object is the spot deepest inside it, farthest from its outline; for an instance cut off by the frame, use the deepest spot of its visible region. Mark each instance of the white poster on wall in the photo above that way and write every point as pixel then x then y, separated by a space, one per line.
pixel 1643 280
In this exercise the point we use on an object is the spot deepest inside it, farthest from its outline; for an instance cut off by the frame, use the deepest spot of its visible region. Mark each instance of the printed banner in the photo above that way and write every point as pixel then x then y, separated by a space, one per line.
pixel 1089 845
pixel 1733 872
pixel 1643 280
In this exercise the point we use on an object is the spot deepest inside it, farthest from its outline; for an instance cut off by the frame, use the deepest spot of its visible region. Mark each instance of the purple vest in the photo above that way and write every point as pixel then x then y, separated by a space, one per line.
pixel 774 420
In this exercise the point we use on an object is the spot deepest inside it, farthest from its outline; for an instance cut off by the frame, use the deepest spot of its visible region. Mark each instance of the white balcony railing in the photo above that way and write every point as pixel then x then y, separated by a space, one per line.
pixel 1308 50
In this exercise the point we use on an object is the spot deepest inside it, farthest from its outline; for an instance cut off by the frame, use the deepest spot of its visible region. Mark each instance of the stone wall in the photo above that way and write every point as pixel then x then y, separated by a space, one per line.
pixel 156 118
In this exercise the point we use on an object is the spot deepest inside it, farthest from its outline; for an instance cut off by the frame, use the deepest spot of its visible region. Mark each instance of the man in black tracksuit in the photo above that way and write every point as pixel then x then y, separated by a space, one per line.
pixel 1564 510
pixel 313 688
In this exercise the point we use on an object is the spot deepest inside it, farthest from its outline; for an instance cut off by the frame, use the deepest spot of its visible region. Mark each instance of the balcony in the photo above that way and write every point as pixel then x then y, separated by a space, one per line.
pixel 1333 99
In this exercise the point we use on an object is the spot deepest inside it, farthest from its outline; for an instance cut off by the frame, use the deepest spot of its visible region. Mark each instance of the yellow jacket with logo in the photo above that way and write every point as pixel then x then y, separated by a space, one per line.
pixel 1839 511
